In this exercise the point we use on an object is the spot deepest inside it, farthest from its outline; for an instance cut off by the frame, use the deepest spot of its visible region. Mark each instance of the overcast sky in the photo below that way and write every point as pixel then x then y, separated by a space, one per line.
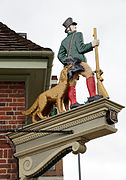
pixel 42 21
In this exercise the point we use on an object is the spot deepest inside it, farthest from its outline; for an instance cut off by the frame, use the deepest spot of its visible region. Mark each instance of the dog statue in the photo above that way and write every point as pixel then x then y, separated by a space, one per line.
pixel 45 102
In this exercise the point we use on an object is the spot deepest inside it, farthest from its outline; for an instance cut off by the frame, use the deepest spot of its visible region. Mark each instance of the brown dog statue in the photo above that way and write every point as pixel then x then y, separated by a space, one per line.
pixel 45 101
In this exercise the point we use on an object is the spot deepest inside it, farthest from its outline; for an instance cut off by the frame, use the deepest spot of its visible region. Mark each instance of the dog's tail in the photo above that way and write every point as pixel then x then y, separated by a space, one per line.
pixel 31 109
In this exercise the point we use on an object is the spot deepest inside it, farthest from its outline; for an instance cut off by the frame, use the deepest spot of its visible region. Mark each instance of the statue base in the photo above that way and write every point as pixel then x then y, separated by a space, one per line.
pixel 37 152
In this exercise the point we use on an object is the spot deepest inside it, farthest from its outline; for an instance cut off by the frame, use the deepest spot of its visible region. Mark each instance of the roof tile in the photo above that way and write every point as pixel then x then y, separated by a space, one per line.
pixel 12 41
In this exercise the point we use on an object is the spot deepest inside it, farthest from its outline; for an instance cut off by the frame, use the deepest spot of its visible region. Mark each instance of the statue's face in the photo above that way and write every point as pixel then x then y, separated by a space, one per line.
pixel 73 28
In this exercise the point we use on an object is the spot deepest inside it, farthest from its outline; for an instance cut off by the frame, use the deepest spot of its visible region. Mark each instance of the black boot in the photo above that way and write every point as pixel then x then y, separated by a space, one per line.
pixel 94 98
pixel 72 106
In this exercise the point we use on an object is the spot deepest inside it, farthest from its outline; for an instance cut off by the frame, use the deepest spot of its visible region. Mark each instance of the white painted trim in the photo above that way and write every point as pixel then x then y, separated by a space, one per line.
pixel 24 64
pixel 27 54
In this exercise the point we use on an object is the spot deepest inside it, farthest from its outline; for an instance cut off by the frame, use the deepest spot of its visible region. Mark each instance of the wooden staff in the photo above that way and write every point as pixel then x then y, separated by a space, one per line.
pixel 100 87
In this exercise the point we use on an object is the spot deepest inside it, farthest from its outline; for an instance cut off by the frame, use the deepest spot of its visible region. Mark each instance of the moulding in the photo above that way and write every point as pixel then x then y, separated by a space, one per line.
pixel 37 152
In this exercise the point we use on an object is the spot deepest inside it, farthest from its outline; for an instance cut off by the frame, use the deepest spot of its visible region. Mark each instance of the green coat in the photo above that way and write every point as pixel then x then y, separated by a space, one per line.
pixel 78 47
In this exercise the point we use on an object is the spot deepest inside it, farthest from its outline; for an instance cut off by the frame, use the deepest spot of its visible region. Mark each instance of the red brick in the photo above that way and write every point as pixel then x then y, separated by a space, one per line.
pixel 2 161
pixel 4 146
pixel 2 113
pixel 10 113
pixel 2 126
pixel 11 170
pixel 14 165
pixel 2 104
pixel 5 165
pixel 15 91
pixel 13 96
pixel 18 113
pixel 21 100
pixel 2 122
pixel 14 126
pixel 5 154
pixel 1 153
pixel 14 177
pixel 16 95
pixel 3 86
pixel 10 154
pixel 5 82
pixel 3 141
pixel 6 122
pixel 2 133
pixel 7 127
pixel 2 137
pixel 12 161
pixel 12 122
pixel 21 91
pixel 17 87
pixel 20 108
pixel 14 100
pixel 5 117
pixel 7 176
pixel 20 122
pixel 21 117
pixel 5 91
pixel 2 171
pixel 6 100
pixel 14 108
pixel 5 108
pixel 14 118
pixel 16 104
pixel 3 95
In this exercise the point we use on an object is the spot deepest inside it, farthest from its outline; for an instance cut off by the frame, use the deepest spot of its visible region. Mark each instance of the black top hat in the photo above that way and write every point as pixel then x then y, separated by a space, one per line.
pixel 68 22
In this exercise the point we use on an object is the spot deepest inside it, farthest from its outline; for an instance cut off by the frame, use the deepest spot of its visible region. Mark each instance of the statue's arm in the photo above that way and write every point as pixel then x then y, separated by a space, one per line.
pixel 62 53
pixel 82 48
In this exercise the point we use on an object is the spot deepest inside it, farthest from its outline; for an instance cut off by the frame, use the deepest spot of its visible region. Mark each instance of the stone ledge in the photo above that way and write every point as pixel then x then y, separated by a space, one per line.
pixel 70 118
pixel 38 151
pixel 84 121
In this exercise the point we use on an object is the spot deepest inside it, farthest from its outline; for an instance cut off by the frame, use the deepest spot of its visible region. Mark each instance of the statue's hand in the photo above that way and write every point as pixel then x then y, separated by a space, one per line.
pixel 95 43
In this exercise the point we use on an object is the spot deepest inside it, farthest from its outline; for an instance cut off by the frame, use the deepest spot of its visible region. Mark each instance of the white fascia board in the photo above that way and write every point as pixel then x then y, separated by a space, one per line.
pixel 28 60
pixel 24 64
pixel 26 53
pixel 25 59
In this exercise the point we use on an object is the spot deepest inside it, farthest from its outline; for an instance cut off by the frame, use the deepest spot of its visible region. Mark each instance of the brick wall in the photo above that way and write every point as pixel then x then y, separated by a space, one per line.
pixel 12 103
pixel 55 173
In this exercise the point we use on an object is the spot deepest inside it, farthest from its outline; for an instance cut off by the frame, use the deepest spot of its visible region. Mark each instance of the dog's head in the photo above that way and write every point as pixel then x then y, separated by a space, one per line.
pixel 64 74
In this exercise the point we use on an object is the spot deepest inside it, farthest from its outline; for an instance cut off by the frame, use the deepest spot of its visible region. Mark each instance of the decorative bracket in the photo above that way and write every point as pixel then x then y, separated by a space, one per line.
pixel 37 152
